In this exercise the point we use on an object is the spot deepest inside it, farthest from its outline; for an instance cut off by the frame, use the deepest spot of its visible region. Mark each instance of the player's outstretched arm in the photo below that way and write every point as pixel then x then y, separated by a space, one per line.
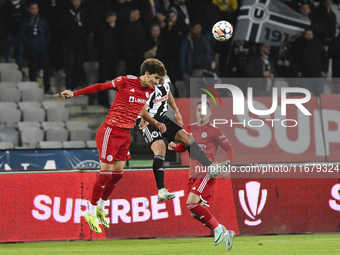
pixel 172 103
pixel 146 116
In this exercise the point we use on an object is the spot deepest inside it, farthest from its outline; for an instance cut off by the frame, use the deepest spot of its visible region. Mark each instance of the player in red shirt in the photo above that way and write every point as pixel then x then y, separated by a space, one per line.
pixel 201 185
pixel 113 136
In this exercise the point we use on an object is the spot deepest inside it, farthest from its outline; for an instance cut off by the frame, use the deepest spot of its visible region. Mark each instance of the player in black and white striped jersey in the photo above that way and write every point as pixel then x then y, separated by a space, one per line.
pixel 157 106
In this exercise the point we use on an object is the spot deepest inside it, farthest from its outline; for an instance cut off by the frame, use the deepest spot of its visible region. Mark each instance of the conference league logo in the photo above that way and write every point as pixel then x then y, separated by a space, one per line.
pixel 256 199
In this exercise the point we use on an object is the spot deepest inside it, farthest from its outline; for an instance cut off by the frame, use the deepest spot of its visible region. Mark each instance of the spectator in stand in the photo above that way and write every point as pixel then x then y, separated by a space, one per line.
pixel 51 10
pixel 228 8
pixel 305 9
pixel 208 14
pixel 327 20
pixel 35 34
pixel 283 61
pixel 239 55
pixel 12 12
pixel 312 62
pixel 260 65
pixel 194 50
pixel 75 28
pixel 152 12
pixel 173 39
pixel 183 19
pixel 107 38
pixel 133 42
pixel 122 9
pixel 334 54
pixel 155 46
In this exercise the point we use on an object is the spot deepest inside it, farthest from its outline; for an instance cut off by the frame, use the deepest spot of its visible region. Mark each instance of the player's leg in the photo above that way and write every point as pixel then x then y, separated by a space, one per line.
pixel 159 150
pixel 98 187
pixel 194 150
pixel 116 175
pixel 197 153
pixel 198 202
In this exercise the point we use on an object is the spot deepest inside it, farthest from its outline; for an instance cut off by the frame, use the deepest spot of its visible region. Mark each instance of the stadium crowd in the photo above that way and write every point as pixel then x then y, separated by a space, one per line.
pixel 60 35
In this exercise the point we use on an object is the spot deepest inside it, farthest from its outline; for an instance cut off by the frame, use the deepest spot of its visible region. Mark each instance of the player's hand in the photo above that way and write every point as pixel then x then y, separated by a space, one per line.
pixel 225 174
pixel 178 118
pixel 143 124
pixel 67 94
pixel 171 146
pixel 161 127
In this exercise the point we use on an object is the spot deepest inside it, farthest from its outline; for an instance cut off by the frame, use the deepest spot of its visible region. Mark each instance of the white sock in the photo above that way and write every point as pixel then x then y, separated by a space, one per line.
pixel 101 204
pixel 219 226
pixel 93 210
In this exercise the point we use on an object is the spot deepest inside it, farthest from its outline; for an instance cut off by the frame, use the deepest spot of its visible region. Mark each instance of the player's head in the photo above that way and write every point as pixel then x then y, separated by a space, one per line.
pixel 33 8
pixel 153 70
pixel 203 119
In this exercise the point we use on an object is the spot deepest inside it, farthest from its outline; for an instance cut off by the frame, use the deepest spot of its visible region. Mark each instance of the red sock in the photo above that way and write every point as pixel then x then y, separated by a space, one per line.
pixel 116 176
pixel 203 215
pixel 103 179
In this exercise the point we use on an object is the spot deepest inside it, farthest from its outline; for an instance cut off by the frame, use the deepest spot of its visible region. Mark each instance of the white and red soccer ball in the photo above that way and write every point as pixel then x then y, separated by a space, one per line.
pixel 222 31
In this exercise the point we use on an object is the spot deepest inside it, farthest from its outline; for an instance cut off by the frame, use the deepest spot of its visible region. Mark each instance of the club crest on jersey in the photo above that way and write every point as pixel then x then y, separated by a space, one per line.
pixel 204 135
pixel 109 158
pixel 147 94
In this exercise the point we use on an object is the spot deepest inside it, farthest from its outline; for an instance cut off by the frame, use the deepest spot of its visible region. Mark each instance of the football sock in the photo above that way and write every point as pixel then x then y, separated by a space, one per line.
pixel 92 210
pixel 197 153
pixel 203 215
pixel 99 185
pixel 158 170
pixel 101 204
pixel 111 184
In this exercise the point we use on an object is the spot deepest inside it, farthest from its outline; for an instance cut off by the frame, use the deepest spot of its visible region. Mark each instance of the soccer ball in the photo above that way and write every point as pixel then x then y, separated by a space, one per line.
pixel 222 31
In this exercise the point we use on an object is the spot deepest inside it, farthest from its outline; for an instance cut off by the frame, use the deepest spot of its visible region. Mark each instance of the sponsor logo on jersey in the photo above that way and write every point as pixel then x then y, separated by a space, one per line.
pixel 136 100
pixel 132 90
pixel 157 100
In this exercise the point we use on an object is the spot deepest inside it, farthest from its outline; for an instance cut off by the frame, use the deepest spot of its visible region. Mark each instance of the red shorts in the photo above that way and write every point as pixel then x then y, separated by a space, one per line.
pixel 113 143
pixel 203 187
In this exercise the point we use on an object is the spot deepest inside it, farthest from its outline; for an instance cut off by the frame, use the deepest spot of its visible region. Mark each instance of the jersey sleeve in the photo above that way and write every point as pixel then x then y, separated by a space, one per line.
pixel 118 82
pixel 223 141
pixel 95 88
pixel 181 147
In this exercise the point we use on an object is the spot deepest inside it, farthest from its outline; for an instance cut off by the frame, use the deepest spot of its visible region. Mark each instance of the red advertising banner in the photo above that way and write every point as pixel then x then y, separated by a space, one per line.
pixel 330 105
pixel 294 137
pixel 282 206
pixel 51 206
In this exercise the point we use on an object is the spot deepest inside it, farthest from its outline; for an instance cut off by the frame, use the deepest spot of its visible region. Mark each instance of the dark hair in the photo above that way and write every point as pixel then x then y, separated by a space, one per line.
pixel 153 66
pixel 200 102
pixel 32 3
pixel 110 13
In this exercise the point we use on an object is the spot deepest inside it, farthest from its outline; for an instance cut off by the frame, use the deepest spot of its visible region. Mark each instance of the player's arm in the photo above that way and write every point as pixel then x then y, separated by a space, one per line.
pixel 146 116
pixel 95 88
pixel 223 141
pixel 172 103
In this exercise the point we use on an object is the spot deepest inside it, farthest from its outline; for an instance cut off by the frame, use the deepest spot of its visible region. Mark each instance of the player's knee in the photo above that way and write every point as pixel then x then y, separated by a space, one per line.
pixel 116 176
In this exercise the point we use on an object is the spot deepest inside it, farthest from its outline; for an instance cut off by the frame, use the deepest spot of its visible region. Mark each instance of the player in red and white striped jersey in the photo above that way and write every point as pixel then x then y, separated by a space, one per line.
pixel 113 136
pixel 201 185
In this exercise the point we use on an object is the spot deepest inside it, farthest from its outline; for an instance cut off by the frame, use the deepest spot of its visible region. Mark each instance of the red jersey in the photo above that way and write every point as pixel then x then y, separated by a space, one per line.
pixel 208 137
pixel 129 100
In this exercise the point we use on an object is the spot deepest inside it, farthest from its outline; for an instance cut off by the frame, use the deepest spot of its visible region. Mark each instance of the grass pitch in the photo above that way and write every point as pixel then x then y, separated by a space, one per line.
pixel 278 244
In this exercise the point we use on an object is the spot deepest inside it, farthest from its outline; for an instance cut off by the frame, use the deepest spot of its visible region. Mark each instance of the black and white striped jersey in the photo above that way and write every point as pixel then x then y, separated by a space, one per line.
pixel 158 102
